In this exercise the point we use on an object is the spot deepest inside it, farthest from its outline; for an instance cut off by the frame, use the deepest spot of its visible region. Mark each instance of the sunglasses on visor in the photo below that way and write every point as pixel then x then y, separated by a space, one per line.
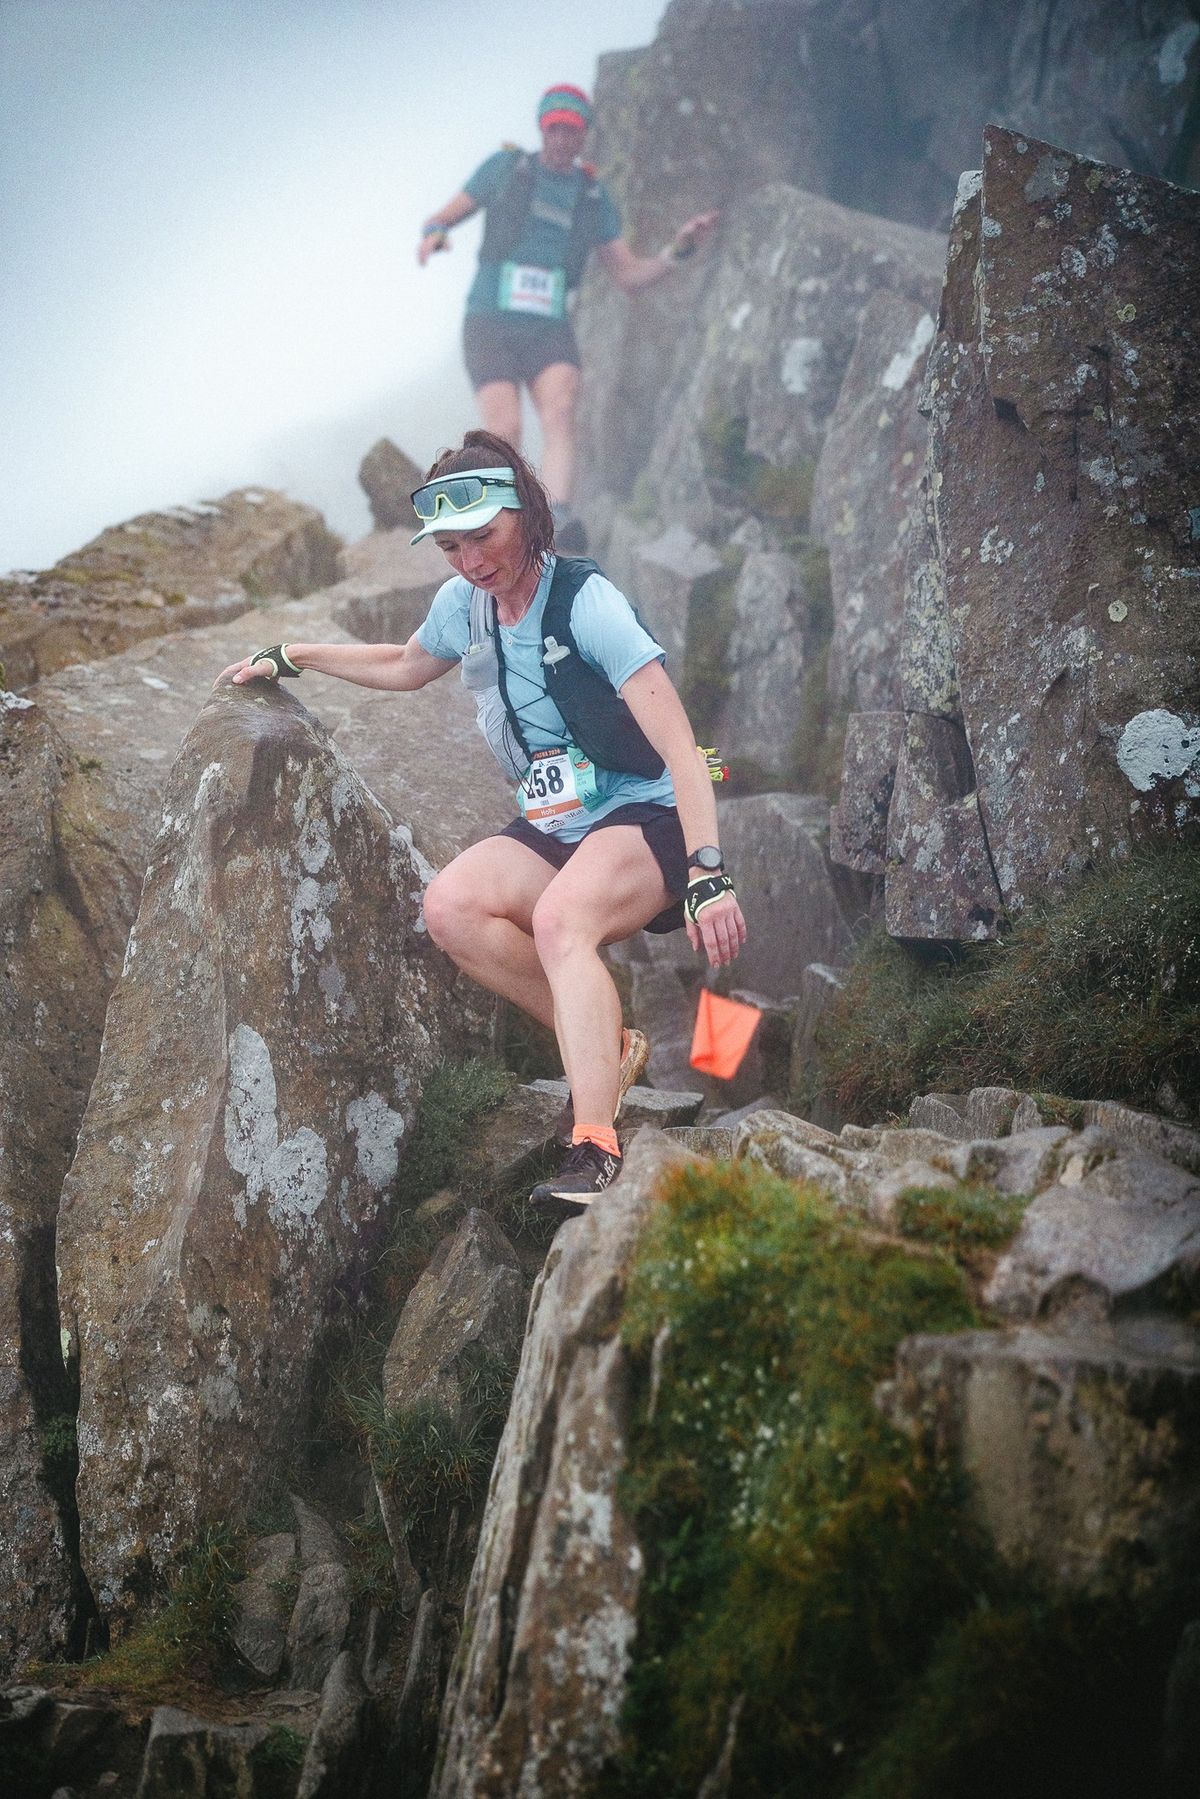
pixel 458 493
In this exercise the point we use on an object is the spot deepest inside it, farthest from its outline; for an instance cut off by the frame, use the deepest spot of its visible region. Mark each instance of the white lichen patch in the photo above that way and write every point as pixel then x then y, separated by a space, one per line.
pixel 378 1134
pixel 1157 746
pixel 739 315
pixel 294 1175
pixel 896 374
pixel 995 548
pixel 969 184
pixel 800 357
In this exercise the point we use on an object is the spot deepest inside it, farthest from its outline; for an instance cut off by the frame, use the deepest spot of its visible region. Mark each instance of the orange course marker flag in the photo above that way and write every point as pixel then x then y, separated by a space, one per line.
pixel 722 1036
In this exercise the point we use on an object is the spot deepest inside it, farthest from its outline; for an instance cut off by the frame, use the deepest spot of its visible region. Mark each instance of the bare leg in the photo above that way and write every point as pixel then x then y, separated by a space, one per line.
pixel 610 888
pixel 555 393
pixel 500 411
pixel 479 909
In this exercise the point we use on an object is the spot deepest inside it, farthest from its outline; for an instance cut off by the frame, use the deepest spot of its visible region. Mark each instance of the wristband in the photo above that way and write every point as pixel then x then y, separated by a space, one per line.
pixel 705 892
pixel 282 668
pixel 432 230
pixel 680 252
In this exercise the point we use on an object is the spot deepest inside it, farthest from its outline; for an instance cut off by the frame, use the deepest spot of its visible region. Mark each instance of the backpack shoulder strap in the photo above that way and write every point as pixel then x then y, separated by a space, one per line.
pixel 570 573
pixel 505 218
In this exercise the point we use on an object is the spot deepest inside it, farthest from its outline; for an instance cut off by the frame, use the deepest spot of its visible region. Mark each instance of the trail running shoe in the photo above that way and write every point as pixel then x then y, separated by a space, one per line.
pixel 587 1171
pixel 635 1053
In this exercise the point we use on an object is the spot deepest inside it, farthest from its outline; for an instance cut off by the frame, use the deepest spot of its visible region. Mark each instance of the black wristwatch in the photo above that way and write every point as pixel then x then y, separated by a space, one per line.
pixel 708 858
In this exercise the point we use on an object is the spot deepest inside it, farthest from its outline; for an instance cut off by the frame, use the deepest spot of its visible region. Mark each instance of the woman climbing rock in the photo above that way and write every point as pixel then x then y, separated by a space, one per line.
pixel 617 829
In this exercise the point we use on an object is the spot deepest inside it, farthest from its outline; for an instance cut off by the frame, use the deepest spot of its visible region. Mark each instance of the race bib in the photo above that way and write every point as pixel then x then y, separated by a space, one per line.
pixel 558 787
pixel 542 292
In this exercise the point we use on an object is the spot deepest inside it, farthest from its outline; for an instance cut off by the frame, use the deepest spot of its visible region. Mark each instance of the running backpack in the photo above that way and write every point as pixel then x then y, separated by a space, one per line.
pixel 508 215
pixel 597 719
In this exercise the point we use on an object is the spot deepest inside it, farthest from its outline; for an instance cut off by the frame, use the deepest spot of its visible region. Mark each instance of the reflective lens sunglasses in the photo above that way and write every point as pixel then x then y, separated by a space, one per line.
pixel 459 492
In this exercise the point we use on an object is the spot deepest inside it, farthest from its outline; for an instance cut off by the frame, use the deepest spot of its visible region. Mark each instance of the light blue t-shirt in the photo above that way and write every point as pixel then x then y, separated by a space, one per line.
pixel 609 637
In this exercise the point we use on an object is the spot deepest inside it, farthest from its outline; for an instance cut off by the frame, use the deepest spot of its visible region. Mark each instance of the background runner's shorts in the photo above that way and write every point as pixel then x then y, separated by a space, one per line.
pixel 660 827
pixel 504 347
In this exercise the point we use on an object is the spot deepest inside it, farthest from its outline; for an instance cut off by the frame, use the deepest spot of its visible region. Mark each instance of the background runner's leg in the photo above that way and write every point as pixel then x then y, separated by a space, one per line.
pixel 555 392
pixel 608 890
pixel 500 410
pixel 479 909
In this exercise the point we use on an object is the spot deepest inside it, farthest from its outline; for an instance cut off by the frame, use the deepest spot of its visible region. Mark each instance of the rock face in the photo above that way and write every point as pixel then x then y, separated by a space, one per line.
pixel 879 112
pixel 164 571
pixel 1082 1446
pixel 536 1691
pixel 276 892
pixel 1064 406
pixel 1049 674
pixel 51 1015
pixel 752 367
pixel 866 480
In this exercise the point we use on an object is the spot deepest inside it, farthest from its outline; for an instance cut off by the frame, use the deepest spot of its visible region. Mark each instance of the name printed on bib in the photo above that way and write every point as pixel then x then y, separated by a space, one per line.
pixel 542 292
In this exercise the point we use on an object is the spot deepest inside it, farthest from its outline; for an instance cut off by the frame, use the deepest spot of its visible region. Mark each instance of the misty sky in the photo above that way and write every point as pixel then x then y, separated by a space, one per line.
pixel 208 212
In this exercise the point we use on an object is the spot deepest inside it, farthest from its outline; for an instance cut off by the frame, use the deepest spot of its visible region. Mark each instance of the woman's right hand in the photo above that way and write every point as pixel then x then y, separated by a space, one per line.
pixel 241 672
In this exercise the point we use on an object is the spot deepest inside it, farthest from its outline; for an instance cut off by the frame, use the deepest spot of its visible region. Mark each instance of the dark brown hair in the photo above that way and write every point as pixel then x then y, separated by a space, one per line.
pixel 483 449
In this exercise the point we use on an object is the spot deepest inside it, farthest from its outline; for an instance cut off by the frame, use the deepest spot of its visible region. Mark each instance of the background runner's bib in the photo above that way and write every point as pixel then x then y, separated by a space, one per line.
pixel 541 292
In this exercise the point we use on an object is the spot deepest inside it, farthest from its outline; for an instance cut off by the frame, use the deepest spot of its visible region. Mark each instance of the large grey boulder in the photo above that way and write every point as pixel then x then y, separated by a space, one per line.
pixel 161 573
pixel 259 1631
pixel 192 1758
pixel 666 573
pixel 858 824
pixel 1064 401
pixel 534 1699
pixel 256 1086
pixel 748 378
pixel 333 1762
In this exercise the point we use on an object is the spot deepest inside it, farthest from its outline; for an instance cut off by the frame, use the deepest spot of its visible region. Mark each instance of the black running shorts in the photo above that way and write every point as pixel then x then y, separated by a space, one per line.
pixel 661 829
pixel 501 346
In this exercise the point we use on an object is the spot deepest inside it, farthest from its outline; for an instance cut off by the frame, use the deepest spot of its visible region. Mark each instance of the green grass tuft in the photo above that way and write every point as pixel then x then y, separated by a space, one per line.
pixel 1095 996
pixel 455 1096
pixel 187 1638
pixel 799 1550
pixel 970 1216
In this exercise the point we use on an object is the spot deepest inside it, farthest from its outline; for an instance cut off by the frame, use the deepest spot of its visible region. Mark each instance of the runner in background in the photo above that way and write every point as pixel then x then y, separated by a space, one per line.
pixel 545 212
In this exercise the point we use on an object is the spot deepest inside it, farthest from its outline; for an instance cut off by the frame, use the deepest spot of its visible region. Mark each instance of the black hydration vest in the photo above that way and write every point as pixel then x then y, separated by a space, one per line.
pixel 597 718
pixel 508 215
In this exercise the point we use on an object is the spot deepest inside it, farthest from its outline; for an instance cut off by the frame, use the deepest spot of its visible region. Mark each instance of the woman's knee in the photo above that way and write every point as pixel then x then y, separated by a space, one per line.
pixel 557 929
pixel 451 912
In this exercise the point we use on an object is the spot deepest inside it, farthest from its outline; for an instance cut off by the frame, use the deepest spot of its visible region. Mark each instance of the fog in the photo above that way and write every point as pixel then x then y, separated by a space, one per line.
pixel 209 212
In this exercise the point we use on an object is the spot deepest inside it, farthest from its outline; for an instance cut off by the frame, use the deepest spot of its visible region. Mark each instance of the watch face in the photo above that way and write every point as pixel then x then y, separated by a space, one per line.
pixel 708 858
